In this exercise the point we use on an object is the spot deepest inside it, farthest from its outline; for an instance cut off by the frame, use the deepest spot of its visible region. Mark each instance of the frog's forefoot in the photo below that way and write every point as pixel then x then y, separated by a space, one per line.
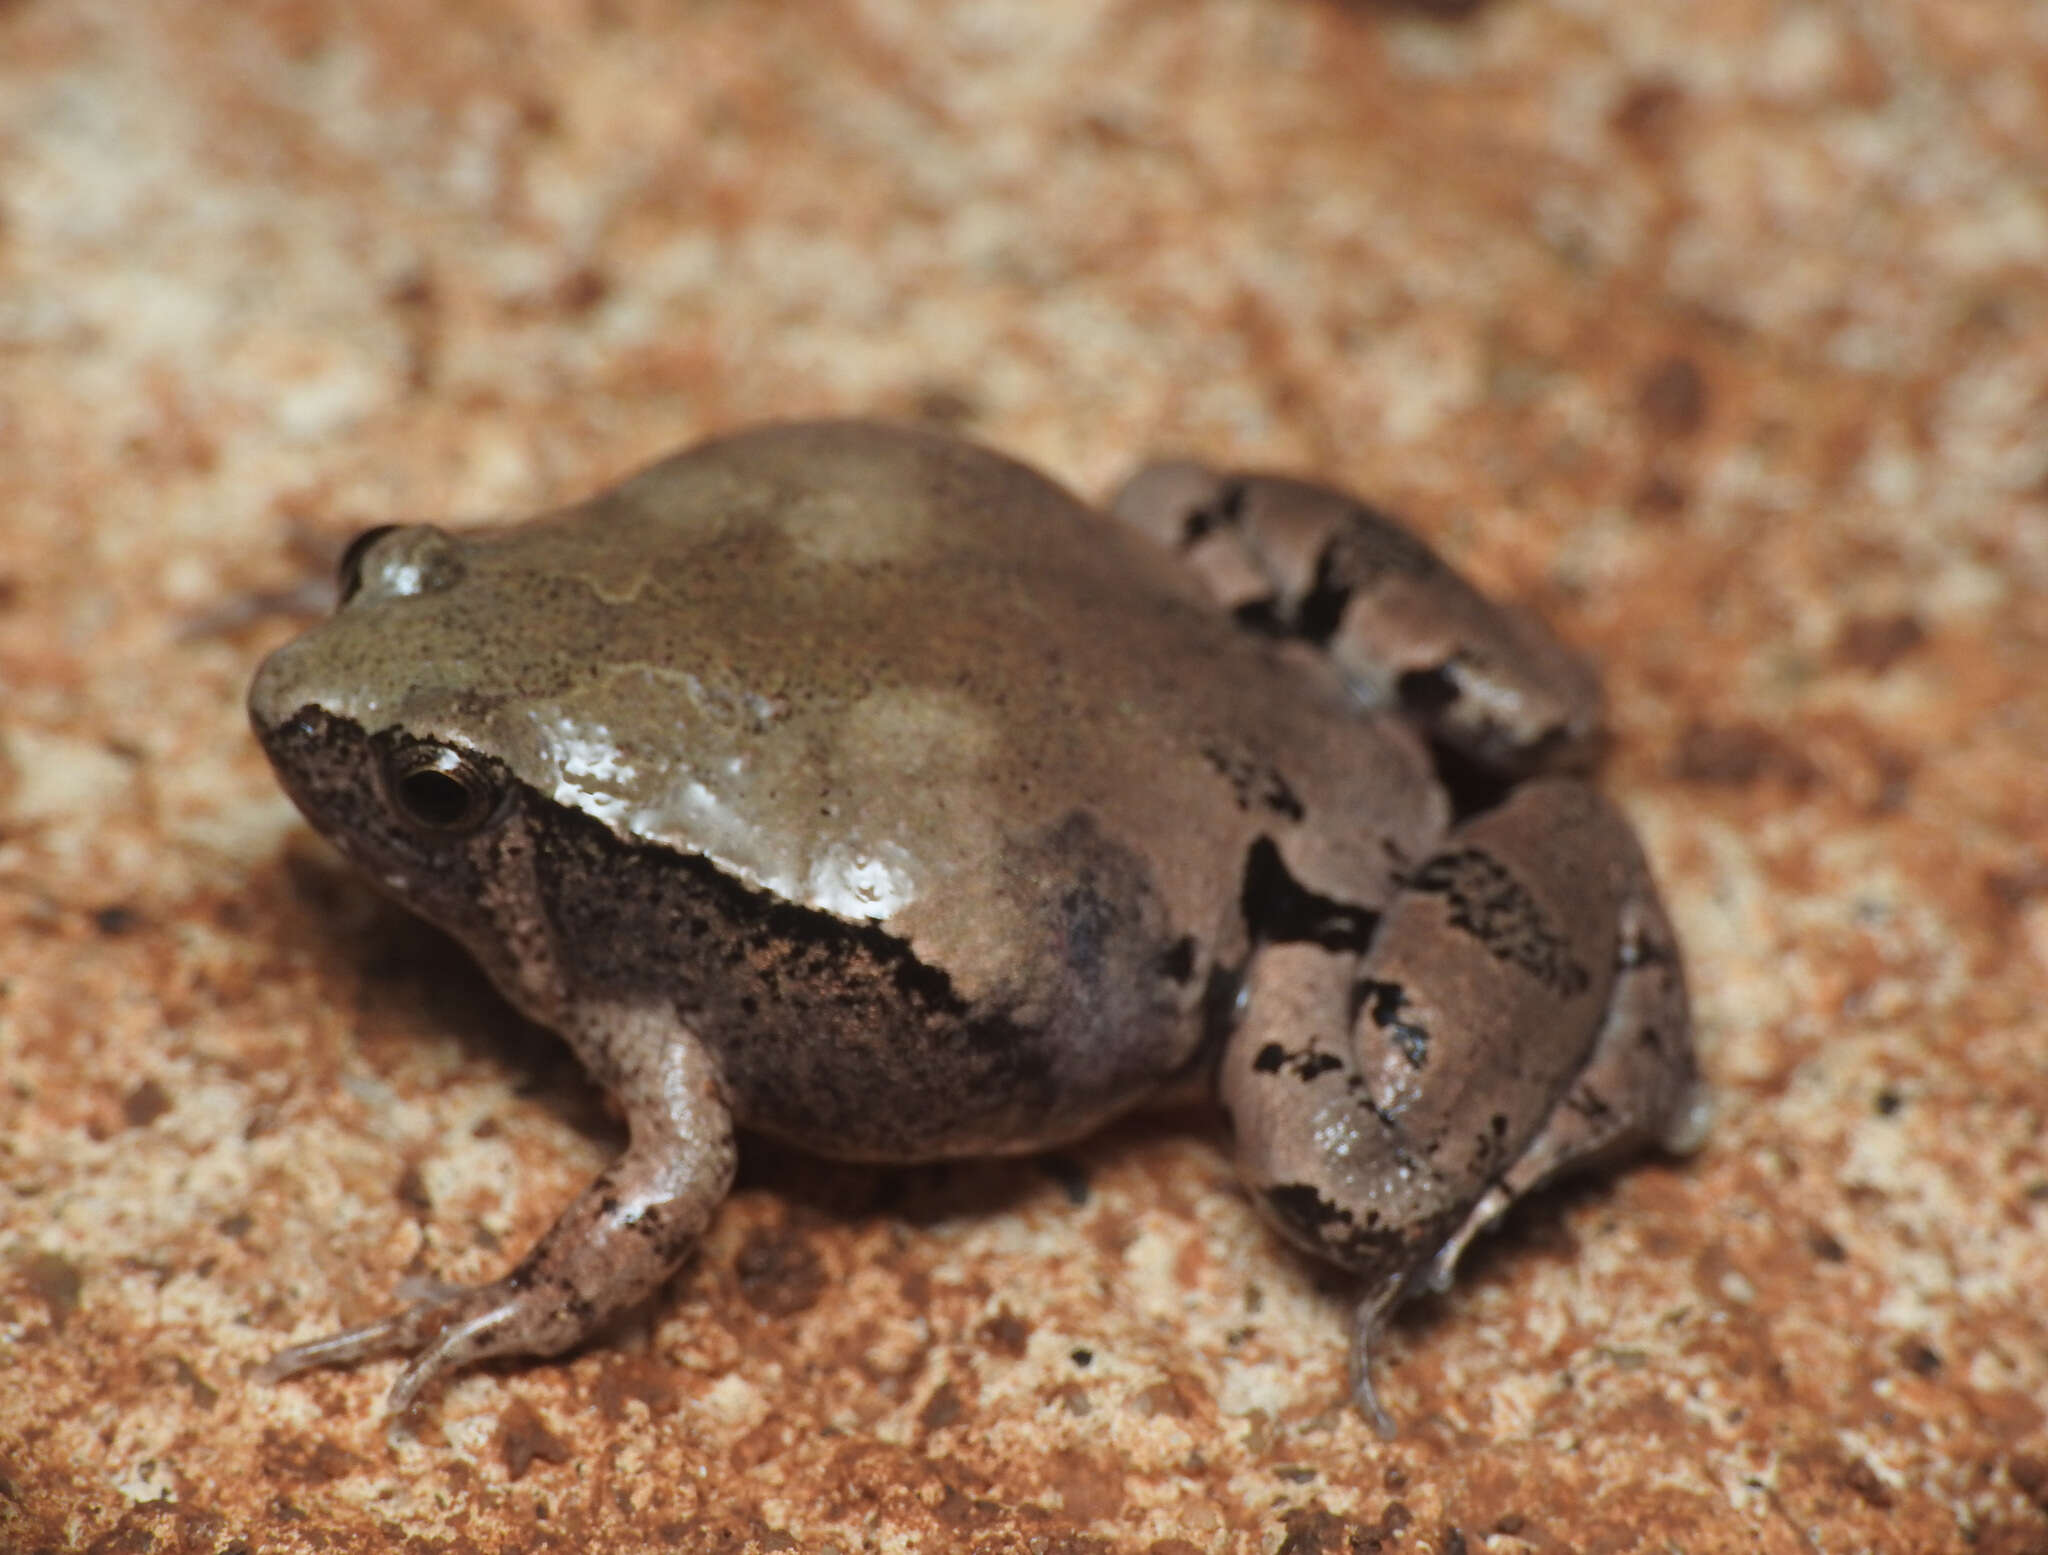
pixel 342 1349
pixel 488 1331
pixel 610 1250
pixel 446 1328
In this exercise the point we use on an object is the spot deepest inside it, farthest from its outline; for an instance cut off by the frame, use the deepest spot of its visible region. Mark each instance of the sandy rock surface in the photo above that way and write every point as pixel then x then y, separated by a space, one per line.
pixel 1719 334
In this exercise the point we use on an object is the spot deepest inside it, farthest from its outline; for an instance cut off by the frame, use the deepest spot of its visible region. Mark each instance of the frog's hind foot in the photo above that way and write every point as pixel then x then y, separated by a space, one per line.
pixel 445 1327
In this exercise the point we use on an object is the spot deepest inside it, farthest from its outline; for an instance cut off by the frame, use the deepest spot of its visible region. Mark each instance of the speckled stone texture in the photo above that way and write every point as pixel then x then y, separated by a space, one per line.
pixel 1719 333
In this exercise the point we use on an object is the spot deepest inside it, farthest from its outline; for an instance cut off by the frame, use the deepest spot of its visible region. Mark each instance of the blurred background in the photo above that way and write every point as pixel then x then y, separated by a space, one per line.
pixel 1718 334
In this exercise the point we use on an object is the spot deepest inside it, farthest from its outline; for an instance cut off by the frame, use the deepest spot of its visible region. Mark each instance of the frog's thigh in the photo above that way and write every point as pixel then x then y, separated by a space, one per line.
pixel 1400 1084
pixel 1640 1086
pixel 1379 1098
pixel 1310 562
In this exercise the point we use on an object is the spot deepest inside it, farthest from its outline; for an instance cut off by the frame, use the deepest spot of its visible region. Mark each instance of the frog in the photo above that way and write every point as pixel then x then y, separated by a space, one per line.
pixel 857 786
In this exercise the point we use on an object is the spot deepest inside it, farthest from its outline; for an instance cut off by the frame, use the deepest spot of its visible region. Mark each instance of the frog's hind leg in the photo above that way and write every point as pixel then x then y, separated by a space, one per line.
pixel 1307 562
pixel 1389 1102
pixel 1640 1087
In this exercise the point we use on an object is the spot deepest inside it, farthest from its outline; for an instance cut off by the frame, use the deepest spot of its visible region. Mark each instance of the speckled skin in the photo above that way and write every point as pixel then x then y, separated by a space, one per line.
pixel 862 787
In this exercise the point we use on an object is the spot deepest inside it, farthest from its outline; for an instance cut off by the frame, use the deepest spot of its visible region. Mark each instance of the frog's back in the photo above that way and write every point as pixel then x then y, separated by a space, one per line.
pixel 995 742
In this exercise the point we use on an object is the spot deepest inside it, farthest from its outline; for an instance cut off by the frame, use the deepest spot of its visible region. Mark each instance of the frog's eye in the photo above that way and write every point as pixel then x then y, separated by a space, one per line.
pixel 349 574
pixel 440 790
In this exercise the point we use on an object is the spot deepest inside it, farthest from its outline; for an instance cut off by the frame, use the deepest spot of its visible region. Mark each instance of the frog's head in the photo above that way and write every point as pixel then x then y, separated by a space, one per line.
pixel 392 749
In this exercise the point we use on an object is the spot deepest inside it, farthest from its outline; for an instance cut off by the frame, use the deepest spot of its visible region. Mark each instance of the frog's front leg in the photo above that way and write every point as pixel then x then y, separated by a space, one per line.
pixel 1304 561
pixel 1385 1103
pixel 610 1249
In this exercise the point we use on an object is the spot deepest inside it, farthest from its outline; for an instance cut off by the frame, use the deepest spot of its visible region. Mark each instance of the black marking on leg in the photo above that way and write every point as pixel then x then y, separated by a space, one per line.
pixel 1281 909
pixel 1302 1208
pixel 1482 897
pixel 1364 546
pixel 1254 784
pixel 1223 513
pixel 1177 963
pixel 1383 1002
pixel 1372 543
pixel 1306 1065
pixel 1321 610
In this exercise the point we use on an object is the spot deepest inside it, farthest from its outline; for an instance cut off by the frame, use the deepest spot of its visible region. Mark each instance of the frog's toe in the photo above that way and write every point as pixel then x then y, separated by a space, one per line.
pixel 434 1323
pixel 382 1337
pixel 470 1337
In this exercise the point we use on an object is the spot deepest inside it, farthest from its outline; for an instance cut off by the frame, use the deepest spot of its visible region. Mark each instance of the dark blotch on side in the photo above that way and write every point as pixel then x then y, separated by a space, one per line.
pixel 1178 964
pixel 1088 919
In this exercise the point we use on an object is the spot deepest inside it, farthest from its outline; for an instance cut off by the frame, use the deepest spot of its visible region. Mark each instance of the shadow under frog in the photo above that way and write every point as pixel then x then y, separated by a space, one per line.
pixel 860 787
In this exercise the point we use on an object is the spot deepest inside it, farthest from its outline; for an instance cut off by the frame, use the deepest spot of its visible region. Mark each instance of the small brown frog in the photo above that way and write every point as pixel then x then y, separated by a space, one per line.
pixel 862 787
